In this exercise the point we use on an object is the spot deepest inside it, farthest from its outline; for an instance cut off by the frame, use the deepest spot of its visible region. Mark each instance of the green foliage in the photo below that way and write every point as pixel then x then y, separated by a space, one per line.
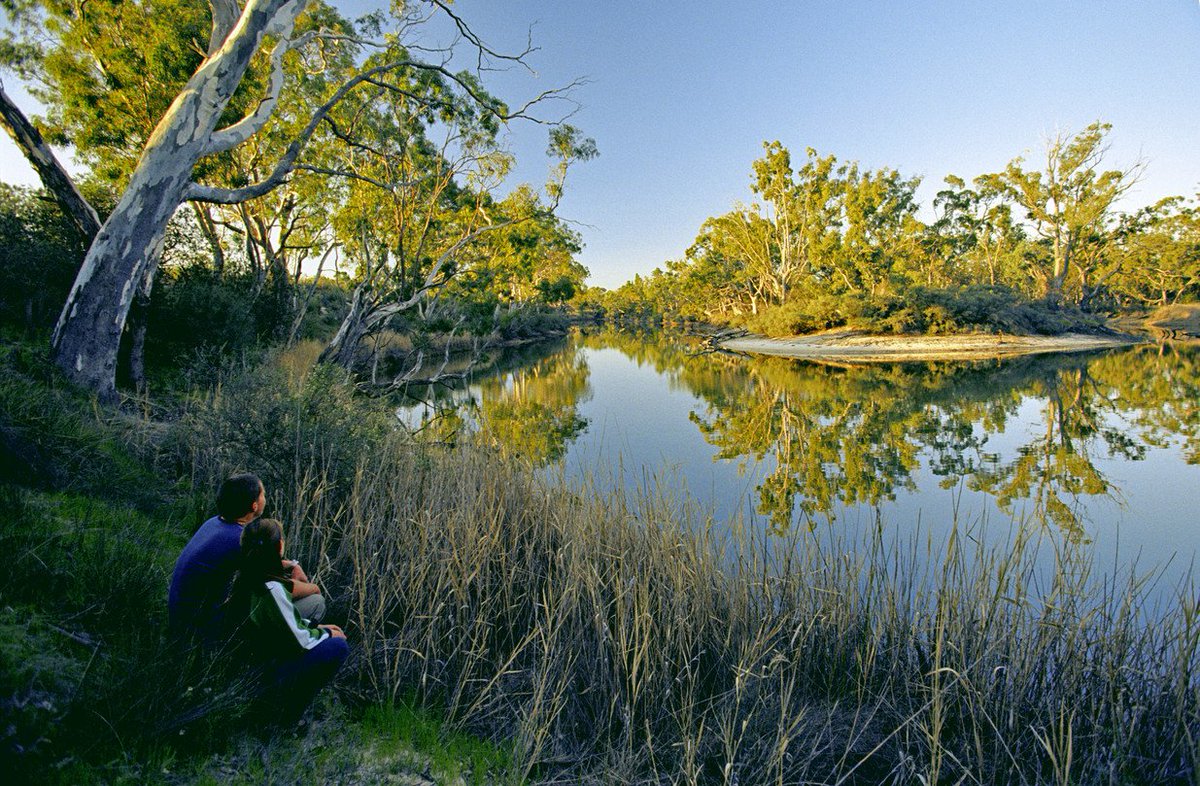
pixel 51 437
pixel 531 323
pixel 40 252
pixel 195 307
pixel 200 318
pixel 805 315
pixel 324 310
pixel 993 309
pixel 1069 203
pixel 836 230
pixel 271 418
pixel 408 728
pixel 82 663
pixel 106 72
pixel 90 690
pixel 40 666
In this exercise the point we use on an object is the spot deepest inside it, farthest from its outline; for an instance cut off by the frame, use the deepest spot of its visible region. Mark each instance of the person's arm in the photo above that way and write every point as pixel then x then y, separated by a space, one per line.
pixel 292 570
pixel 302 589
pixel 301 586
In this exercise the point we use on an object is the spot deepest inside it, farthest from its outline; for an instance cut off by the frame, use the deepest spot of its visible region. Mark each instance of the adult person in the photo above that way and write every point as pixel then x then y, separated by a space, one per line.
pixel 293 658
pixel 205 569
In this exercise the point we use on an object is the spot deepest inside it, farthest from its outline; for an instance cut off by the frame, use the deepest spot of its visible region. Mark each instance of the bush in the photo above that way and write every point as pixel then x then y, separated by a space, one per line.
pixel 925 310
pixel 53 438
pixel 194 307
pixel 806 314
pixel 532 322
pixel 40 252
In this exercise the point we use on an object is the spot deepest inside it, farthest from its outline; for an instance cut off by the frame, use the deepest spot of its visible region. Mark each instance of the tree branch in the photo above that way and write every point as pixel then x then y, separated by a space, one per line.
pixel 483 49
pixel 53 176
pixel 225 14
pixel 355 176
pixel 231 136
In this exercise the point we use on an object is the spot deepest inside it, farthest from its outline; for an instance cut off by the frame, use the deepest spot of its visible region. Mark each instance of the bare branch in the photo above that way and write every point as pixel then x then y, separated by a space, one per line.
pixel 481 48
pixel 197 192
pixel 225 14
pixel 285 165
pixel 234 135
pixel 392 186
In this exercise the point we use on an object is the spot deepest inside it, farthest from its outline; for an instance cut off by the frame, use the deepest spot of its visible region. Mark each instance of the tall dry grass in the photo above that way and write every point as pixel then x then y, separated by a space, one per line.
pixel 627 638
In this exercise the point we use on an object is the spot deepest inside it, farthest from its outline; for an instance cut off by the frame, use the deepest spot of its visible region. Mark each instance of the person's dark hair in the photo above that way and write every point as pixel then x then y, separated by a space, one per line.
pixel 237 495
pixel 258 562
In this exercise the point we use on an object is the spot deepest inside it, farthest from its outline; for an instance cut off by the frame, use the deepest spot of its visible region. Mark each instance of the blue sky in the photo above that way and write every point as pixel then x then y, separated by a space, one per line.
pixel 681 95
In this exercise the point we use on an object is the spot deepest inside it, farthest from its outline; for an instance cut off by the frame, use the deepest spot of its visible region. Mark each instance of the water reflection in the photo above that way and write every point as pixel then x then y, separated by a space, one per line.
pixel 1038 434
pixel 533 412
pixel 527 406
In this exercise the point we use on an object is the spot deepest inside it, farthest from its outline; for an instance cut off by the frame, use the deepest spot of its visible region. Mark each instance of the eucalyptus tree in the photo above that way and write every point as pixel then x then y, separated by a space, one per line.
pixel 420 208
pixel 976 238
pixel 882 234
pixel 1158 248
pixel 105 71
pixel 196 127
pixel 711 282
pixel 745 239
pixel 526 262
pixel 801 215
pixel 1069 203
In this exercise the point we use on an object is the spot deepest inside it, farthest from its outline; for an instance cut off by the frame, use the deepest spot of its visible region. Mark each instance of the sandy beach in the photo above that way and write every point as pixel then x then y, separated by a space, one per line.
pixel 851 346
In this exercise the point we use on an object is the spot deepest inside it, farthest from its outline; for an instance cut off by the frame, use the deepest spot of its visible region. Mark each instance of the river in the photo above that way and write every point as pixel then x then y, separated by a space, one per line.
pixel 1099 448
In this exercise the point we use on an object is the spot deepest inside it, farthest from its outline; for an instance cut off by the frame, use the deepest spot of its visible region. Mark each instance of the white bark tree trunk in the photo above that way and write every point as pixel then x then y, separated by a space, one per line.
pixel 46 164
pixel 88 334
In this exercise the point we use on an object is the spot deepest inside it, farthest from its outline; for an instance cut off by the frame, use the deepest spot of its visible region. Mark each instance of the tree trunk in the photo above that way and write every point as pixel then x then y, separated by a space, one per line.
pixel 139 320
pixel 208 227
pixel 344 346
pixel 50 171
pixel 87 337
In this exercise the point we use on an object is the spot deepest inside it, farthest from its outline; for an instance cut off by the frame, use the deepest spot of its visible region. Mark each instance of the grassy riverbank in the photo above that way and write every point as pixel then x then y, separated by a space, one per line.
pixel 584 636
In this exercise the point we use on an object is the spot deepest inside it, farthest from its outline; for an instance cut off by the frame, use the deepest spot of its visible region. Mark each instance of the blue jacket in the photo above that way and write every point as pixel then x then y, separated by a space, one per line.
pixel 201 581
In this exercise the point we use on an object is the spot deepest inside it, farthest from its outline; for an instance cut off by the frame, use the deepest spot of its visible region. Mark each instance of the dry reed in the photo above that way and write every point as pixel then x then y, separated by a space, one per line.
pixel 628 638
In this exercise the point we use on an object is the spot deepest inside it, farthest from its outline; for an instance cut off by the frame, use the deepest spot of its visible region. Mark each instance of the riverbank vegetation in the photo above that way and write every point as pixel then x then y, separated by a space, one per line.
pixel 589 636
pixel 506 627
pixel 1038 247
pixel 330 149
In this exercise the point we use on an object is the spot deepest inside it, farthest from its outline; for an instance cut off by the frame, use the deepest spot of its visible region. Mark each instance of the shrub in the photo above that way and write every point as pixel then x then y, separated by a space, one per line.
pixel 924 310
pixel 806 314
pixel 194 307
pixel 40 252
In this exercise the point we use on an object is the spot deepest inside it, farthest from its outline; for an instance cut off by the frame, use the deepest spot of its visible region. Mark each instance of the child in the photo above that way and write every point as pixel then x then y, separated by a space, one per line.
pixel 295 657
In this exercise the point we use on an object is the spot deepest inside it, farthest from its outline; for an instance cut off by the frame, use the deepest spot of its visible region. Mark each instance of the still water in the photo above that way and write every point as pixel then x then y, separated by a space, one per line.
pixel 1098 448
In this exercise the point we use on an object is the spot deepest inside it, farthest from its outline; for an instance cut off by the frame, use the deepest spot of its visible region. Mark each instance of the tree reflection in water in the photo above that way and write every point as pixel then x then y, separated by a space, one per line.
pixel 854 435
pixel 833 436
pixel 527 407
pixel 533 412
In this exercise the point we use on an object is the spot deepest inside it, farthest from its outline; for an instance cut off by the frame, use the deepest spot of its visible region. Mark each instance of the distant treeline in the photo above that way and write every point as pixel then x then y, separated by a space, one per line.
pixel 1032 248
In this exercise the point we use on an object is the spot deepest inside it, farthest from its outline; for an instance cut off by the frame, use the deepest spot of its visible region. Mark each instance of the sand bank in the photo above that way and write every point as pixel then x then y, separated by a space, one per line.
pixel 854 347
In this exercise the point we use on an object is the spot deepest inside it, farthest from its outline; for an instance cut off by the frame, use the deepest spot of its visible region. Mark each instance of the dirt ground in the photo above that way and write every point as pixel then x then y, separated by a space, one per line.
pixel 1180 317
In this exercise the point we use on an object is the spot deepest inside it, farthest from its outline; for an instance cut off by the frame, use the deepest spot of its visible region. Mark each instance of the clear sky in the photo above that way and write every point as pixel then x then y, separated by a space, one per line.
pixel 681 96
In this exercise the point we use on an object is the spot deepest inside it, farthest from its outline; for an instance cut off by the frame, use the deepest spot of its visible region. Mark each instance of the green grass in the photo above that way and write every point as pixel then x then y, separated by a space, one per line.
pixel 97 506
pixel 405 731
